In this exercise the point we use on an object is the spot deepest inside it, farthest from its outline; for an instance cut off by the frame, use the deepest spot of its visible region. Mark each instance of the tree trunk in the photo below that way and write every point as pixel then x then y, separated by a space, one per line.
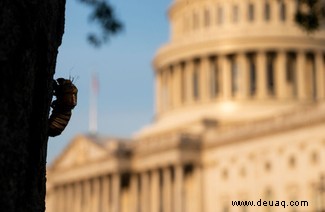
pixel 30 34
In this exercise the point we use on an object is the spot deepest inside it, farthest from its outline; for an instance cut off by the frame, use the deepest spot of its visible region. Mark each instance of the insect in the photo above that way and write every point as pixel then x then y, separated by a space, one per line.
pixel 66 99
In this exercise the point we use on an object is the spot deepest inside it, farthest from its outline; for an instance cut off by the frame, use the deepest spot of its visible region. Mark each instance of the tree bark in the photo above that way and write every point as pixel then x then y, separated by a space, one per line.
pixel 30 33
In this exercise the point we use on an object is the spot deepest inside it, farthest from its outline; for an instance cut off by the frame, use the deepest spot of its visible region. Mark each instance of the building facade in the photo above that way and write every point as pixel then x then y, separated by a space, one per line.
pixel 240 116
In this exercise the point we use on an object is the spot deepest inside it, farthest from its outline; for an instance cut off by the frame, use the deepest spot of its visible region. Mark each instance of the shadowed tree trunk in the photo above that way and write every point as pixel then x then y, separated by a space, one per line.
pixel 30 34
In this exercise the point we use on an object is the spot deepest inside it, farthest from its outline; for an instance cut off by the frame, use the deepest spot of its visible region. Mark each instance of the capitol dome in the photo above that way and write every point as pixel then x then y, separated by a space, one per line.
pixel 235 60
pixel 239 125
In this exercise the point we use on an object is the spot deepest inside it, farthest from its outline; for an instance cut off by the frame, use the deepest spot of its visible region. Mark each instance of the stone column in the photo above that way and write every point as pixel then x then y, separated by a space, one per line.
pixel 86 196
pixel 65 197
pixel 204 76
pixel 77 199
pixel 320 75
pixel 116 192
pixel 59 194
pixel 167 190
pixel 189 85
pixel 301 69
pixel 178 188
pixel 261 75
pixel 199 187
pixel 134 193
pixel 105 195
pixel 154 194
pixel 70 197
pixel 226 76
pixel 95 197
pixel 243 76
pixel 144 192
pixel 280 80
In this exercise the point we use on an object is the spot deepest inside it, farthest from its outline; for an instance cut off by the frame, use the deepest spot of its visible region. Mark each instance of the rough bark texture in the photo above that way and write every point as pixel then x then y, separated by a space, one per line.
pixel 30 34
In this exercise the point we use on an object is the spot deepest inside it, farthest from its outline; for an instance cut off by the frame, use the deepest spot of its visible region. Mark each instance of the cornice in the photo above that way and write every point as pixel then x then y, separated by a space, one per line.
pixel 181 141
pixel 174 53
pixel 304 117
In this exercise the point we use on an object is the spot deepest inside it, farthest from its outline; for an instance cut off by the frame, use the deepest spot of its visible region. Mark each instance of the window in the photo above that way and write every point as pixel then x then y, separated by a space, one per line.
pixel 242 172
pixel 314 157
pixel 235 13
pixel 267 11
pixel 292 161
pixel 251 12
pixel 282 11
pixel 290 73
pixel 220 15
pixel 214 79
pixel 225 208
pixel 224 174
pixel 270 74
pixel 196 81
pixel 252 75
pixel 290 68
pixel 311 76
pixel 268 198
pixel 267 166
pixel 206 18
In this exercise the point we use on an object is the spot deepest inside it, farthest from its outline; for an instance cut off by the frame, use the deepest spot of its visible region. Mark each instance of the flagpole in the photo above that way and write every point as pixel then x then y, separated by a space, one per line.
pixel 93 105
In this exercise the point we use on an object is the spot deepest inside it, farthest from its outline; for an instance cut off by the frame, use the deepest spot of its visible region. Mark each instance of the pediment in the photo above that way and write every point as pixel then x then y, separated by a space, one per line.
pixel 80 151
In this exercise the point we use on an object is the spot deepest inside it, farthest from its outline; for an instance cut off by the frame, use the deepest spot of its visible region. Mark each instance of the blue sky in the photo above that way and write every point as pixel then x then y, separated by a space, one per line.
pixel 123 66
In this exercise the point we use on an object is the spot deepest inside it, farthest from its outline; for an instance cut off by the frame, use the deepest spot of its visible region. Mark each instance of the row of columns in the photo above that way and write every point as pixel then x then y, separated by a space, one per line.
pixel 175 84
pixel 206 18
pixel 100 194
pixel 159 190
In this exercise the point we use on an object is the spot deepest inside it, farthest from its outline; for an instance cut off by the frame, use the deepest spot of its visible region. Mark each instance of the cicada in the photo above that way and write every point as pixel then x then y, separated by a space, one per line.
pixel 66 99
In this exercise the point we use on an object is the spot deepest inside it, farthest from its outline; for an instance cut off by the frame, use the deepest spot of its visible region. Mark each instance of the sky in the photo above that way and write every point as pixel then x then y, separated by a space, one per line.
pixel 123 66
